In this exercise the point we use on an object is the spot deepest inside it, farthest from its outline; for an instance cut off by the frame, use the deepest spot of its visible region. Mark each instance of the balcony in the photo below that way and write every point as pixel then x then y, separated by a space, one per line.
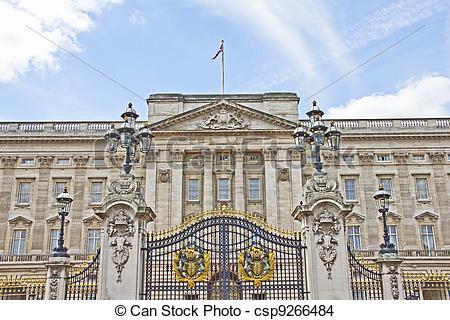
pixel 405 253
pixel 42 257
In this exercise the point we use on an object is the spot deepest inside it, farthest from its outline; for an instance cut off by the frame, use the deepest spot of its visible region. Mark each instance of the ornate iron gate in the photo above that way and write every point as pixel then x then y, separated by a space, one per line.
pixel 365 283
pixel 83 284
pixel 225 255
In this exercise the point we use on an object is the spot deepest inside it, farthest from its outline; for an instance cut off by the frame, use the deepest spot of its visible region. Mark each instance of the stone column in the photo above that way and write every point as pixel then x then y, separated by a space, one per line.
pixel 150 178
pixel 57 271
pixel 177 188
pixel 321 213
pixel 390 277
pixel 125 216
pixel 239 198
pixel 271 186
pixel 207 180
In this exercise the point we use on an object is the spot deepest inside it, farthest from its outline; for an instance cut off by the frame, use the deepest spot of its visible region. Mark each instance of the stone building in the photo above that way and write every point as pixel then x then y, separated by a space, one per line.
pixel 237 151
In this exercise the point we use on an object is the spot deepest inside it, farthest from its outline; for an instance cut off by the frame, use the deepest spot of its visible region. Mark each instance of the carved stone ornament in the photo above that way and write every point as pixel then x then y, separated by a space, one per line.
pixel 394 282
pixel 256 264
pixel 120 230
pixel 283 174
pixel 164 175
pixel 401 157
pixel 366 157
pixel 326 227
pixel 45 162
pixel 191 265
pixel 9 162
pixel 54 284
pixel 330 157
pixel 437 157
pixel 224 120
pixel 320 186
pixel 80 161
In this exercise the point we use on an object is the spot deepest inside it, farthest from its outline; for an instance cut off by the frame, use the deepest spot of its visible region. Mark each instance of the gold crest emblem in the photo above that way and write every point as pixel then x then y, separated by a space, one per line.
pixel 191 265
pixel 256 264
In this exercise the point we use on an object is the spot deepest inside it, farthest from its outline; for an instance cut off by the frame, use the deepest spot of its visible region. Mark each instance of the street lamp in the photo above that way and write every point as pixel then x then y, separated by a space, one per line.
pixel 65 200
pixel 382 199
pixel 315 134
pixel 128 137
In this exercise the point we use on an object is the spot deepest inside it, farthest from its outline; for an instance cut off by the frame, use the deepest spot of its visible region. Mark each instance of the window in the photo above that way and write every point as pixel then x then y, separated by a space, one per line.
pixel 193 190
pixel 393 238
pixel 428 241
pixel 354 237
pixel 418 157
pixel 93 240
pixel 27 162
pixel 18 242
pixel 24 193
pixel 223 157
pixel 59 188
pixel 96 192
pixel 383 158
pixel 387 185
pixel 350 189
pixel 422 188
pixel 63 162
pixel 348 158
pixel 54 236
pixel 254 189
pixel 224 189
pixel 253 158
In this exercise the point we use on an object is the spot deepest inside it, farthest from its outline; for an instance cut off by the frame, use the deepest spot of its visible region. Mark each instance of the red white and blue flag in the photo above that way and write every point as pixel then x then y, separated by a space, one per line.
pixel 219 51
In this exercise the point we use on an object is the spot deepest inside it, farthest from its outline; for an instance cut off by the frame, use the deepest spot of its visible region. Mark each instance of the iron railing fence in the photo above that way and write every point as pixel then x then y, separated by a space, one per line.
pixel 22 288
pixel 426 286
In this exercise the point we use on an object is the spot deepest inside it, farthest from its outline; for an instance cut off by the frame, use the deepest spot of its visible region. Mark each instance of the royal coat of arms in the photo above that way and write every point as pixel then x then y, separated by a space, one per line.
pixel 257 264
pixel 191 265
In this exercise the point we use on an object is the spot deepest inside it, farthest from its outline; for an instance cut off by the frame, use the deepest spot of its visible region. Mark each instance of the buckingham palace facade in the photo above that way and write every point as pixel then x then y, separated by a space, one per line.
pixel 227 151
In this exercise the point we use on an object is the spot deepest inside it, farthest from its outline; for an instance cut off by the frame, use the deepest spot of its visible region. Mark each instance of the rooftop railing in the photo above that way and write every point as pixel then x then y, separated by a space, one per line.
pixel 102 126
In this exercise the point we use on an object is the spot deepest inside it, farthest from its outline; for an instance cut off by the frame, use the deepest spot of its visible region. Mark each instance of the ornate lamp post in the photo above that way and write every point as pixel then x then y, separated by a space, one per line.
pixel 128 137
pixel 382 199
pixel 315 134
pixel 65 200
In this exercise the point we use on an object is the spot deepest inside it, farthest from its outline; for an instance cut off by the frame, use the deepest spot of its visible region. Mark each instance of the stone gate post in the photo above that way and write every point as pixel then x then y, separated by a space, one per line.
pixel 390 276
pixel 57 272
pixel 321 213
pixel 124 233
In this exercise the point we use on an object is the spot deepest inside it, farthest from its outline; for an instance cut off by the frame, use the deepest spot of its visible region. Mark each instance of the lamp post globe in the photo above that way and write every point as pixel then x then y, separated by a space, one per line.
pixel 129 137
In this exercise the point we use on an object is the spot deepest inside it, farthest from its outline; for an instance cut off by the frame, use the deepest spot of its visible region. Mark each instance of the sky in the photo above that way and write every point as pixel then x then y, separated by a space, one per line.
pixel 160 46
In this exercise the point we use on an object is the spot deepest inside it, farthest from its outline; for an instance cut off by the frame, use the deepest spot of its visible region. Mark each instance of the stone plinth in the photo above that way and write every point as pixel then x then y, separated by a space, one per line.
pixel 321 213
pixel 390 276
pixel 125 217
pixel 57 272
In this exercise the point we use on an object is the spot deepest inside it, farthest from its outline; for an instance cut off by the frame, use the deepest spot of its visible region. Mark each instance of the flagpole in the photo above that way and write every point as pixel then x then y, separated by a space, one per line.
pixel 223 69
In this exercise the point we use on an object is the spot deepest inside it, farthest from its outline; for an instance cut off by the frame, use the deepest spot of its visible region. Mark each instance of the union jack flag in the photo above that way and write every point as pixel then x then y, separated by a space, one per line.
pixel 219 51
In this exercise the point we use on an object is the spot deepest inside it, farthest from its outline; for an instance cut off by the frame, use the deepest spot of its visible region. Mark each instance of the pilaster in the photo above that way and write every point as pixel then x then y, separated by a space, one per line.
pixel 177 187
pixel 239 180
pixel 271 186
pixel 208 180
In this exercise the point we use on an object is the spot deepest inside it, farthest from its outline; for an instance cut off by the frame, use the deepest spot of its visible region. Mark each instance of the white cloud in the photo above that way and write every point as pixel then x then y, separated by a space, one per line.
pixel 137 17
pixel 61 21
pixel 425 97
pixel 388 19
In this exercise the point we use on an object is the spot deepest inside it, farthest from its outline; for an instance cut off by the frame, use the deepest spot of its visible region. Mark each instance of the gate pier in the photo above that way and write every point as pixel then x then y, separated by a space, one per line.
pixel 321 213
pixel 125 216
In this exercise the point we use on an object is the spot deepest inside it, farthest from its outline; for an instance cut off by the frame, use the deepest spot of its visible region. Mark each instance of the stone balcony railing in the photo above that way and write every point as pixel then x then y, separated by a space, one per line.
pixel 100 127
pixel 406 253
pixel 42 257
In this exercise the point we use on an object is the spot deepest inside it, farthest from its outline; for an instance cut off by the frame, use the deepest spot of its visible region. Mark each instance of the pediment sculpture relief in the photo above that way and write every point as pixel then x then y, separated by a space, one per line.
pixel 224 120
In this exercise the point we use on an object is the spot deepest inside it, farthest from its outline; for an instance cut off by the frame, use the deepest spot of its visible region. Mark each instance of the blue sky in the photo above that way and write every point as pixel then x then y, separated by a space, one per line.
pixel 166 46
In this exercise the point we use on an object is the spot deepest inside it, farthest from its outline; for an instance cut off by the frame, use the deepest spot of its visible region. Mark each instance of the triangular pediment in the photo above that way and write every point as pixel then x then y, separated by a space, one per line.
pixel 354 217
pixel 223 115
pixel 426 216
pixel 20 220
pixel 56 220
pixel 92 220
pixel 391 215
